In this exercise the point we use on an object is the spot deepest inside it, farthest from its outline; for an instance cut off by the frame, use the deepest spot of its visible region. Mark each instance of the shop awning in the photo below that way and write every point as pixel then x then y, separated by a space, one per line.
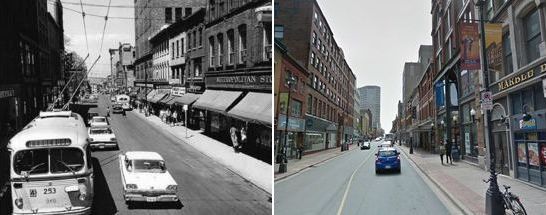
pixel 170 100
pixel 166 99
pixel 216 100
pixel 157 97
pixel 151 95
pixel 141 95
pixel 254 107
pixel 186 99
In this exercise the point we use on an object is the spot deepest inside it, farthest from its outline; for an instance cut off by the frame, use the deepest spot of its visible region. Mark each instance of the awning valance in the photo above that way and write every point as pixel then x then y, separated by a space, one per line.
pixel 186 99
pixel 254 107
pixel 216 100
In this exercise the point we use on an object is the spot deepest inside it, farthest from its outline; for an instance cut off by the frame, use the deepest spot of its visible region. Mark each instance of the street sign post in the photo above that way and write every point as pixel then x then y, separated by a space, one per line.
pixel 487 101
pixel 185 107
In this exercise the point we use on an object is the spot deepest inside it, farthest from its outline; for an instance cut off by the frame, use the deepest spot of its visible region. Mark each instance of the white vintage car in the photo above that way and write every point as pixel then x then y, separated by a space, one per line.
pixel 98 121
pixel 145 178
pixel 102 137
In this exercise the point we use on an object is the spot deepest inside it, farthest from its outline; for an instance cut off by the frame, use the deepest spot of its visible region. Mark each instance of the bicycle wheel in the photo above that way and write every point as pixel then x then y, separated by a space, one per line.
pixel 517 207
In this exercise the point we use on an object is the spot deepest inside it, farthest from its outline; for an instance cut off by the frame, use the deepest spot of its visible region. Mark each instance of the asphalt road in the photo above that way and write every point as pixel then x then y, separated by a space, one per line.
pixel 348 185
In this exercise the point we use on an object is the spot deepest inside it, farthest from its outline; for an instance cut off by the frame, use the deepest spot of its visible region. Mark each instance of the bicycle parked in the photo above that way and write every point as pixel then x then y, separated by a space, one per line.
pixel 510 201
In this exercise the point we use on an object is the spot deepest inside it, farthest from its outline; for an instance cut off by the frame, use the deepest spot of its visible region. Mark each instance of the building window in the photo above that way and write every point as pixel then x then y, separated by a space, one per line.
pixel 187 11
pixel 507 52
pixel 182 50
pixel 220 49
pixel 211 51
pixel 178 13
pixel 194 39
pixel 279 32
pixel 231 48
pixel 309 104
pixel 177 49
pixel 295 108
pixel 242 44
pixel 200 37
pixel 532 35
pixel 172 50
pixel 168 15
pixel 314 40
pixel 267 44
pixel 189 40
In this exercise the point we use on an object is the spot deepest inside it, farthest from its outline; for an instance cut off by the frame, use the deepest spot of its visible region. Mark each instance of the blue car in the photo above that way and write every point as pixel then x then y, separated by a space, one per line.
pixel 387 158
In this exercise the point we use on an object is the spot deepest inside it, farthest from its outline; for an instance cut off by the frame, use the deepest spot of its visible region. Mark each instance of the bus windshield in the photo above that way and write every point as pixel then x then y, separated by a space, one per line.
pixel 54 160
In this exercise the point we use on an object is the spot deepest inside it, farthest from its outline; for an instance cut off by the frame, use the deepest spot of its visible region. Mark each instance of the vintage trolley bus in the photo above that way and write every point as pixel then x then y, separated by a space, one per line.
pixel 51 170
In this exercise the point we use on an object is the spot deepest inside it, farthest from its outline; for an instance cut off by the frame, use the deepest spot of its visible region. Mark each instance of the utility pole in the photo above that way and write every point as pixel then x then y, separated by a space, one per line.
pixel 493 196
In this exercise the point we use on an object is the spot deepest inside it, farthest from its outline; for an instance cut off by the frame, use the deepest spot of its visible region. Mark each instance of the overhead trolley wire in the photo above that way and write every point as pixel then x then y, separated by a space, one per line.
pixel 104 28
pixel 84 27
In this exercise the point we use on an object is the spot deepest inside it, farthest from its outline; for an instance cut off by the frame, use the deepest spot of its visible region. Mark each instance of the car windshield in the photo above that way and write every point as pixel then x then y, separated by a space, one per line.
pixel 56 160
pixel 149 166
pixel 387 153
pixel 101 131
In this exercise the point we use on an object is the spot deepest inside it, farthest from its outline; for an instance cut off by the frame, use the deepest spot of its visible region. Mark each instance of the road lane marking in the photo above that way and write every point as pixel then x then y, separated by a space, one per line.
pixel 340 209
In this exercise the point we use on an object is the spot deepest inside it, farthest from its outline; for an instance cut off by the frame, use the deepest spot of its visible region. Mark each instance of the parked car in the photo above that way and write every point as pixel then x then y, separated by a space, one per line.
pixel 102 137
pixel 98 121
pixel 387 158
pixel 126 106
pixel 145 178
pixel 117 108
pixel 90 116
pixel 113 99
pixel 365 145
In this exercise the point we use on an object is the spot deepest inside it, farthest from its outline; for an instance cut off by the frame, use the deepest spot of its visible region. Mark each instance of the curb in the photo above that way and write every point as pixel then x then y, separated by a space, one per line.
pixel 309 166
pixel 452 198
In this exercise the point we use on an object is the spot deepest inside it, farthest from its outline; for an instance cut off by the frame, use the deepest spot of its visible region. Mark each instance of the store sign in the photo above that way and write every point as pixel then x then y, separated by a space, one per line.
pixel 487 101
pixel 529 124
pixel 178 91
pixel 519 78
pixel 7 93
pixel 242 82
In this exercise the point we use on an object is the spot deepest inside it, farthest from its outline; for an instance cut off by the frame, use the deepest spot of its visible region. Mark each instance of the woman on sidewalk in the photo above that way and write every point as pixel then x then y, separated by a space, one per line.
pixel 442 151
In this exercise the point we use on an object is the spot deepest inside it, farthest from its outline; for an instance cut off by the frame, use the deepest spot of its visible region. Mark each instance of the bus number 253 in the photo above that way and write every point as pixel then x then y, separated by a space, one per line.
pixel 49 191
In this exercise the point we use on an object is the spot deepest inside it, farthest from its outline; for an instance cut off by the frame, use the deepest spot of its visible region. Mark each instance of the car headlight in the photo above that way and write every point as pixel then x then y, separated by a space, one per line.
pixel 113 139
pixel 90 139
pixel 131 186
pixel 172 187
pixel 19 203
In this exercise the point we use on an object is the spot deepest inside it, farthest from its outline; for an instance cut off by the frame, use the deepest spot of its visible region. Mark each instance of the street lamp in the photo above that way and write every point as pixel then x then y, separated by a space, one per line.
pixel 290 81
pixel 493 196
pixel 473 114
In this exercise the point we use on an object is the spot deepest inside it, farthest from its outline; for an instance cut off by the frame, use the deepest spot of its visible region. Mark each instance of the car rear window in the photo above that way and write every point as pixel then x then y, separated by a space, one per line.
pixel 387 153
pixel 100 120
pixel 101 131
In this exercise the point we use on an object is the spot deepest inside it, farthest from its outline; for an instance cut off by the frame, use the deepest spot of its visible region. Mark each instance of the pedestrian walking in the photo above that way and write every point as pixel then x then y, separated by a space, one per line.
pixel 107 111
pixel 449 158
pixel 123 113
pixel 234 139
pixel 442 152
pixel 243 137
pixel 175 117
pixel 300 150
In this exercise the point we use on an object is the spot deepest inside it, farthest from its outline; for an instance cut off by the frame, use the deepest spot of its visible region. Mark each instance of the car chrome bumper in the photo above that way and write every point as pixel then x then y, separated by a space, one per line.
pixel 103 144
pixel 135 197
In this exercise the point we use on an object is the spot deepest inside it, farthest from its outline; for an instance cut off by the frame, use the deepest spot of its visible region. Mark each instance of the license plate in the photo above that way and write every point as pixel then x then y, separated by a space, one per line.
pixel 151 199
pixel 387 167
pixel 101 146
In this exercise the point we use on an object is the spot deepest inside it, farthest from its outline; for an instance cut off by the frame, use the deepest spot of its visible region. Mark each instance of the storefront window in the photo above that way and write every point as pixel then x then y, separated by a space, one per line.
pixel 314 141
pixel 295 108
pixel 516 103
pixel 540 101
pixel 531 156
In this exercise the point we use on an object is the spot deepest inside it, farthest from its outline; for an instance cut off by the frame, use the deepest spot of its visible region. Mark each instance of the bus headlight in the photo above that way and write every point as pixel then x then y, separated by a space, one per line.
pixel 83 196
pixel 19 203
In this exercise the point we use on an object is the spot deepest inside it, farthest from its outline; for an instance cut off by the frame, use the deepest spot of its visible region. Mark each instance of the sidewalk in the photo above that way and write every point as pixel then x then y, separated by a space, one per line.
pixel 254 170
pixel 462 183
pixel 295 166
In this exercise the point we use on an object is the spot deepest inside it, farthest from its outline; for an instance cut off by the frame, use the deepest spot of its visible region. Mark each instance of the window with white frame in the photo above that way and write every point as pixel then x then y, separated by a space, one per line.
pixel 231 48
pixel 531 25
pixel 242 44
pixel 212 52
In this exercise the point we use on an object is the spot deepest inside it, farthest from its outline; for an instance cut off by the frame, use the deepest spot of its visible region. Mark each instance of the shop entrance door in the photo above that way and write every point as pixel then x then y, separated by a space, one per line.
pixel 501 152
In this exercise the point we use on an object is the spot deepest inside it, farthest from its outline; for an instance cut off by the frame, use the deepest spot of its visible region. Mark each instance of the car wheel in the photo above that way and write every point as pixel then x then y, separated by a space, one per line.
pixel 398 170
pixel 376 171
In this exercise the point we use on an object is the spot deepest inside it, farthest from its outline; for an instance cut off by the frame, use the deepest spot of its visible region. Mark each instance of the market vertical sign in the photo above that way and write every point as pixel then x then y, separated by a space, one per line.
pixel 470 50
pixel 493 44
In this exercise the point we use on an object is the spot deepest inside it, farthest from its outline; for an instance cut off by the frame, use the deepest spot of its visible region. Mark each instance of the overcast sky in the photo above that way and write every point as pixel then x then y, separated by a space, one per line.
pixel 117 30
pixel 377 37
